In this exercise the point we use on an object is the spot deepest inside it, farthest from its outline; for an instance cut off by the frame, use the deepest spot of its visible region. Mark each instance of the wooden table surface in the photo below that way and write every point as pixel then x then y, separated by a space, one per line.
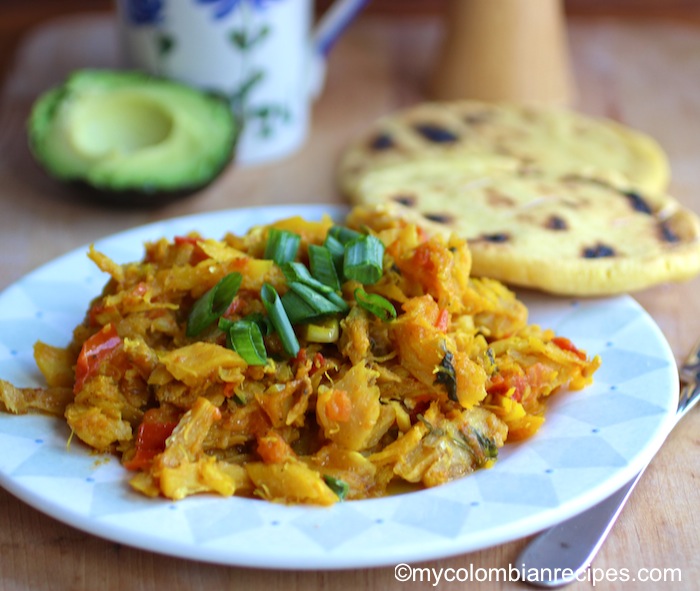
pixel 644 73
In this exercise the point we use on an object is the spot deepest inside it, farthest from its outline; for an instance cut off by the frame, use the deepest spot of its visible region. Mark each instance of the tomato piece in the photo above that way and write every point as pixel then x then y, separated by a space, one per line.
pixel 501 384
pixel 566 345
pixel 339 407
pixel 96 349
pixel 187 240
pixel 318 362
pixel 273 449
pixel 443 320
pixel 422 259
pixel 151 436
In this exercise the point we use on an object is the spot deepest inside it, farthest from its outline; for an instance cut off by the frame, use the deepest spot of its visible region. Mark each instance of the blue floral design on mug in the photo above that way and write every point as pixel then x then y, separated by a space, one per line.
pixel 223 8
pixel 145 12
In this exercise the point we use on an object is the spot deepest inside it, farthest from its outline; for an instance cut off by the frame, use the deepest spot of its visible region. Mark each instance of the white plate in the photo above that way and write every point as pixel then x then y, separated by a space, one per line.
pixel 591 443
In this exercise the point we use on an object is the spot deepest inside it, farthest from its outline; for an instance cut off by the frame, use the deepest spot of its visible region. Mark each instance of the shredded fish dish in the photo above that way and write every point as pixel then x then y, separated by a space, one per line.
pixel 302 362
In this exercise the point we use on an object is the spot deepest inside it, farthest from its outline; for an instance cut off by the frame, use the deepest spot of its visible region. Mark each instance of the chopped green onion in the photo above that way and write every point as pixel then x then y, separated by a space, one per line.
pixel 247 340
pixel 263 322
pixel 322 266
pixel 321 305
pixel 213 304
pixel 343 234
pixel 282 246
pixel 328 331
pixel 376 304
pixel 337 301
pixel 298 311
pixel 296 272
pixel 338 486
pixel 337 250
pixel 364 259
pixel 279 319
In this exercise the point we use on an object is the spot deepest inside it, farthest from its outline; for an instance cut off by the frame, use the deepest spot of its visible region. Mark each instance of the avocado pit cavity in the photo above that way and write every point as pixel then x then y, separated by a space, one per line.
pixel 123 124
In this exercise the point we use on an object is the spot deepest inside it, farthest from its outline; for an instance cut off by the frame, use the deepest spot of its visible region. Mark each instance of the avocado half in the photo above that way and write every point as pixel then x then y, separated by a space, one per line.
pixel 132 136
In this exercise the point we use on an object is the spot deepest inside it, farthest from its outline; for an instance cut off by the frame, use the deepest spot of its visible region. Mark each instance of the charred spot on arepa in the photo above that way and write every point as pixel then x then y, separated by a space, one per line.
pixel 638 202
pixel 440 218
pixel 498 198
pixel 493 237
pixel 406 200
pixel 435 133
pixel 477 117
pixel 667 233
pixel 381 141
pixel 557 223
pixel 598 251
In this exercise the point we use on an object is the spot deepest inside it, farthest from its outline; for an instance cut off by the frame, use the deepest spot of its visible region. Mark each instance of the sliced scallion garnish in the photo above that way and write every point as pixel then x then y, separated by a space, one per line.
pixel 320 304
pixel 298 311
pixel 279 319
pixel 337 250
pixel 311 289
pixel 364 259
pixel 376 304
pixel 213 304
pixel 338 486
pixel 247 340
pixel 262 321
pixel 282 246
pixel 322 266
pixel 296 272
pixel 343 234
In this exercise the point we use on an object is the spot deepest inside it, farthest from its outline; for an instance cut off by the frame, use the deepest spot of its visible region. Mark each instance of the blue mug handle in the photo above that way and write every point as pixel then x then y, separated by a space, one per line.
pixel 333 23
pixel 324 35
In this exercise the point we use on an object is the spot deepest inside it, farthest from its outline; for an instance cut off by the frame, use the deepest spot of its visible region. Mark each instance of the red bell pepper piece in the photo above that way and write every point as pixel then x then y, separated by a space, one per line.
pixel 151 436
pixel 567 345
pixel 95 351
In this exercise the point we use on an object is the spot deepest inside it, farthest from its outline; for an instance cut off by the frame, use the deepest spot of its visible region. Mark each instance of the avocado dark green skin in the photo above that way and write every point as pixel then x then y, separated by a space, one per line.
pixel 133 198
pixel 210 133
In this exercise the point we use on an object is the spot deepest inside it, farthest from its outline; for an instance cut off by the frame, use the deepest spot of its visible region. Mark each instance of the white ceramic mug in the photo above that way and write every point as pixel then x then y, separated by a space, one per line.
pixel 264 55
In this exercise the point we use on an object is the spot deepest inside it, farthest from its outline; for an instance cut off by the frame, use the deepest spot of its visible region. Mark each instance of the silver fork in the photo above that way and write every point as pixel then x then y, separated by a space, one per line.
pixel 566 550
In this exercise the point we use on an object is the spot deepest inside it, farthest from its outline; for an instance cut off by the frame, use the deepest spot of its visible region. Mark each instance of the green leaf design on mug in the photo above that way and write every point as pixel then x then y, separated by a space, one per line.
pixel 244 41
pixel 165 44
pixel 268 114
pixel 243 90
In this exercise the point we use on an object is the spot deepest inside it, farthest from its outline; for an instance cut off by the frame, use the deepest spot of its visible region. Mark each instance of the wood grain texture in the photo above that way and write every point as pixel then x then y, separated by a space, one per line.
pixel 645 74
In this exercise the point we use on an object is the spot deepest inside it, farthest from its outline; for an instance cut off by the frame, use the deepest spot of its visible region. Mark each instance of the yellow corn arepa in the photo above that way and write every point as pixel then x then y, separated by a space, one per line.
pixel 547 198
pixel 569 236
pixel 364 402
pixel 510 136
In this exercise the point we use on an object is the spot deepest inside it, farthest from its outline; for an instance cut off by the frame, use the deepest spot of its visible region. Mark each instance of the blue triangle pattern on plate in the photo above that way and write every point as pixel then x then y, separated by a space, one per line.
pixel 442 517
pixel 211 521
pixel 593 318
pixel 32 427
pixel 330 529
pixel 578 452
pixel 20 334
pixel 517 489
pixel 56 462
pixel 610 408
pixel 116 498
pixel 620 365
pixel 64 296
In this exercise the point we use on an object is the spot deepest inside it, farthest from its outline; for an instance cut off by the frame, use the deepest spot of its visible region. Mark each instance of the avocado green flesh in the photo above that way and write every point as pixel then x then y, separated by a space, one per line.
pixel 126 131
